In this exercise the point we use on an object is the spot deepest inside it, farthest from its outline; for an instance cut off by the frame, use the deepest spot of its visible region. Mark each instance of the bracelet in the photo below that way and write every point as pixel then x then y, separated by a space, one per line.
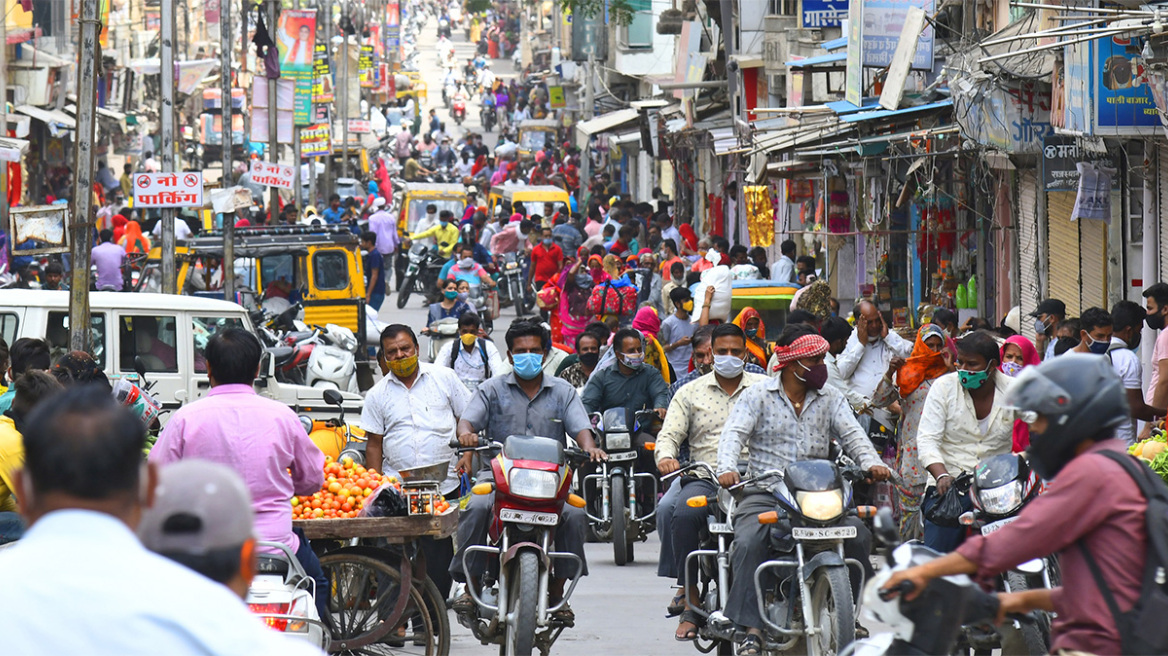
pixel 943 476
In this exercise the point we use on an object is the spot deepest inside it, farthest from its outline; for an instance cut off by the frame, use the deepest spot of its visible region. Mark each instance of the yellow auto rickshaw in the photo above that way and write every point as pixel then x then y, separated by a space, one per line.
pixel 544 200
pixel 417 195
pixel 535 134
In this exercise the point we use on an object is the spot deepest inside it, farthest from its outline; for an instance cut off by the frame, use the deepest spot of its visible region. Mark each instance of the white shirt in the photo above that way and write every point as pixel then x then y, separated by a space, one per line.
pixel 783 270
pixel 469 366
pixel 672 233
pixel 417 423
pixel 425 222
pixel 861 366
pixel 835 380
pixel 1127 366
pixel 127 599
pixel 181 229
pixel 949 432
pixel 463 168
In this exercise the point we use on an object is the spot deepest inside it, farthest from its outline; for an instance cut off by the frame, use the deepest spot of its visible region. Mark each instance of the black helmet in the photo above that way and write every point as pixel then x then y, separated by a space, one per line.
pixel 1081 397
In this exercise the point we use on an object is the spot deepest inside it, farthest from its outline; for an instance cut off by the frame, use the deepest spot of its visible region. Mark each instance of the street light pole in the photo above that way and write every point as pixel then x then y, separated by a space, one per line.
pixel 80 227
pixel 169 277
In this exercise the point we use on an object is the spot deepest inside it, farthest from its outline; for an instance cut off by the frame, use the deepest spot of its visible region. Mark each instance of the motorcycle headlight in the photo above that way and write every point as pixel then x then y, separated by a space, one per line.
pixel 820 506
pixel 534 484
pixel 1001 500
pixel 614 441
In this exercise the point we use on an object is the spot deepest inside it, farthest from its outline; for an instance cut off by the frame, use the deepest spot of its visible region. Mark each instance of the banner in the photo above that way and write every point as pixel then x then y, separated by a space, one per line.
pixel 322 76
pixel 272 175
pixel 823 13
pixel 168 189
pixel 295 42
pixel 366 69
pixel 315 141
pixel 883 21
pixel 556 97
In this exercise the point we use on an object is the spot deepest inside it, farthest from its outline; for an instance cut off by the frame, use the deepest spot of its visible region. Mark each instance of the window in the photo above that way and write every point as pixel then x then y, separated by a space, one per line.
pixel 202 330
pixel 330 270
pixel 275 267
pixel 9 327
pixel 154 339
pixel 57 335
pixel 639 33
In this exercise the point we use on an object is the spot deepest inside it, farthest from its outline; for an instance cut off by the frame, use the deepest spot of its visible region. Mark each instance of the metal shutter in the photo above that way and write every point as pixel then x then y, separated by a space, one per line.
pixel 1028 261
pixel 1063 250
pixel 1162 207
pixel 1092 264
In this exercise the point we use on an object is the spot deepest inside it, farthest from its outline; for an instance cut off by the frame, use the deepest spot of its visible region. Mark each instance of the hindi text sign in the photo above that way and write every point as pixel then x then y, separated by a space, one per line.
pixel 179 189
pixel 272 175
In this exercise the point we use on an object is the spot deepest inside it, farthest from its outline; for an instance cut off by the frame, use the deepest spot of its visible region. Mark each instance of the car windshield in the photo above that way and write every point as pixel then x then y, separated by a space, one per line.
pixel 534 139
pixel 417 209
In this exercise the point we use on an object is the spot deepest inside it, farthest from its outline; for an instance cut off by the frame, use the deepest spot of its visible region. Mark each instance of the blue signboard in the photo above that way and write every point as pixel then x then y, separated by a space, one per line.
pixel 1077 88
pixel 882 24
pixel 824 13
pixel 1106 89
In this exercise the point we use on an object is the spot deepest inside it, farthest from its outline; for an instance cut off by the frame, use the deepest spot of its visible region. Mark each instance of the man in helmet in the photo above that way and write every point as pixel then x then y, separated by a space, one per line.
pixel 1073 404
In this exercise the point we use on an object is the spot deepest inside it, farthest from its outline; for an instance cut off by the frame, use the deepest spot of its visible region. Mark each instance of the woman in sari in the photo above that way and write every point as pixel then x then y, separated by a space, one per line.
pixel 119 224
pixel 1017 354
pixel 750 321
pixel 931 358
pixel 133 240
pixel 649 324
pixel 576 283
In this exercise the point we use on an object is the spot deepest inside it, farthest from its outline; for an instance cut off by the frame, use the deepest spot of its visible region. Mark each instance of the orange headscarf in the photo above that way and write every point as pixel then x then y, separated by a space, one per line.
pixel 136 242
pixel 745 315
pixel 924 363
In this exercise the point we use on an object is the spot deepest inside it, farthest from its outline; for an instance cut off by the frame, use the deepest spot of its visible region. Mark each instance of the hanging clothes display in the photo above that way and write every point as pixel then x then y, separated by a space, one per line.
pixel 1094 198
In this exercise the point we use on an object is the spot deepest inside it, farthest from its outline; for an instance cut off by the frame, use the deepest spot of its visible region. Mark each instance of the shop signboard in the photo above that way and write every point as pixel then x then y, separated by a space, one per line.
pixel 315 141
pixel 1107 89
pixel 366 69
pixel 824 13
pixel 1060 157
pixel 322 77
pixel 854 70
pixel 1011 117
pixel 883 21
pixel 182 189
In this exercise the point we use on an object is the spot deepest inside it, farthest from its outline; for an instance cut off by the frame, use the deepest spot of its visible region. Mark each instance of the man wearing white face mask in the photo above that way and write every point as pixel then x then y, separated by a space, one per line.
pixel 870 348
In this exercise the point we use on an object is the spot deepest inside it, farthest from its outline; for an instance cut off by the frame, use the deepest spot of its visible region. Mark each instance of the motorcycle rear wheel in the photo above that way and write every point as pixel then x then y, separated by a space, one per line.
pixel 617 502
pixel 833 611
pixel 524 605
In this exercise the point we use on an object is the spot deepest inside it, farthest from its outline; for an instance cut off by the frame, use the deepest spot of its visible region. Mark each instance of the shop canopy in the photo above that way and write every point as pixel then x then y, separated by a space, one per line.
pixel 53 119
pixel 892 113
pixel 606 122
pixel 834 60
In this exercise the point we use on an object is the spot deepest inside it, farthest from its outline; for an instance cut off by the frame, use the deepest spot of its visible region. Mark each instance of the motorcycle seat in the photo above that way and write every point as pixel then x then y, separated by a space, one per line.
pixel 297 335
pixel 281 354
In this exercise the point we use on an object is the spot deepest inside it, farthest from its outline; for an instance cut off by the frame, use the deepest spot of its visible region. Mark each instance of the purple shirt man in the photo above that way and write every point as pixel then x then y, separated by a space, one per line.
pixel 108 257
pixel 260 439
pixel 384 225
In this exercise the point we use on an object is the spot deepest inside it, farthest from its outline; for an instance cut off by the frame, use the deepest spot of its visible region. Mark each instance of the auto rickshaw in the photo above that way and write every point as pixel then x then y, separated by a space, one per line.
pixel 417 195
pixel 534 135
pixel 534 198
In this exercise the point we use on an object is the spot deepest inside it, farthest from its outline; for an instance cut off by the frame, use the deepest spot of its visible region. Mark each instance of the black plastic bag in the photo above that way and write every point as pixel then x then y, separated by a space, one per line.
pixel 386 501
pixel 948 508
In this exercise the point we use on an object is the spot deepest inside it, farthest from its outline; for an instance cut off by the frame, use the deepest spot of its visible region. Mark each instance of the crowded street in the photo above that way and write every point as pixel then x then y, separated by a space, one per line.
pixel 453 327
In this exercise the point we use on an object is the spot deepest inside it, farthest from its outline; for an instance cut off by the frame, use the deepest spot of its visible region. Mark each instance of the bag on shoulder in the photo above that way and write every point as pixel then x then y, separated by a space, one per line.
pixel 612 300
pixel 1142 629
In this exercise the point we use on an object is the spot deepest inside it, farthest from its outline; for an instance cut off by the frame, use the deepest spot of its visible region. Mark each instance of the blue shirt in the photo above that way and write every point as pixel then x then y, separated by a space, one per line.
pixel 332 216
pixel 374 262
pixel 135 601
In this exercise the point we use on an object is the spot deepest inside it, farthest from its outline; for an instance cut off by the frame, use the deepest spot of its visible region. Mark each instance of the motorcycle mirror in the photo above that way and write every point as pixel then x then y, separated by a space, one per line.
pixel 885 527
pixel 140 367
pixel 333 397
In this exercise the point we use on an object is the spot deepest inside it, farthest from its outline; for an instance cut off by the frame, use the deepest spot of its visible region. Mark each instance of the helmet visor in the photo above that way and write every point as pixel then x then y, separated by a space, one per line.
pixel 1033 394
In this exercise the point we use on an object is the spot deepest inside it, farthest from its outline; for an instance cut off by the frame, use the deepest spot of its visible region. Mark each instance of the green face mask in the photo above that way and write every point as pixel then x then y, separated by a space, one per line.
pixel 972 380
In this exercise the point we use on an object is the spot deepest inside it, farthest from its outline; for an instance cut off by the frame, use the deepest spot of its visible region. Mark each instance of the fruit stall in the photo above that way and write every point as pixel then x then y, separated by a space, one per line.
pixel 365 525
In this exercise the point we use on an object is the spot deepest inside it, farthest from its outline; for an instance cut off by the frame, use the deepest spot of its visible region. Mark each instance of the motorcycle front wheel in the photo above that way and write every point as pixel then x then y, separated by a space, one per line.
pixel 403 295
pixel 833 611
pixel 524 606
pixel 618 499
pixel 1029 637
pixel 517 298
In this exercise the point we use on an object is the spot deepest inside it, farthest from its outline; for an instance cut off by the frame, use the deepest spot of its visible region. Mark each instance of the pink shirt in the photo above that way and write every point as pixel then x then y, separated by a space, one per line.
pixel 506 240
pixel 260 439
pixel 1159 352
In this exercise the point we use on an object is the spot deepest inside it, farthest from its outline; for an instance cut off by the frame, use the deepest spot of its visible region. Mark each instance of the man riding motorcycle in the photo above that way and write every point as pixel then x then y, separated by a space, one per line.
pixel 791 417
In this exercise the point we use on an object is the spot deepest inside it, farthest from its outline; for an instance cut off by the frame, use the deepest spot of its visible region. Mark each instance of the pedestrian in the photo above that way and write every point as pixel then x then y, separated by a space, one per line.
pixel 409 418
pixel 1127 321
pixel 587 356
pixel 1156 302
pixel 374 266
pixel 750 321
pixel 85 489
pixel 26 354
pixel 865 359
pixel 547 259
pixel 473 358
pixel 783 270
pixel 677 331
pixel 1047 316
pixel 261 439
pixel 53 277
pixel 30 388
pixel 333 213
pixel 133 241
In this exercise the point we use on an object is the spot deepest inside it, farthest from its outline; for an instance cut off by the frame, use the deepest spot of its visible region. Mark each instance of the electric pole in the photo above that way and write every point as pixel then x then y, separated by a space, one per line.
pixel 273 123
pixel 169 277
pixel 80 227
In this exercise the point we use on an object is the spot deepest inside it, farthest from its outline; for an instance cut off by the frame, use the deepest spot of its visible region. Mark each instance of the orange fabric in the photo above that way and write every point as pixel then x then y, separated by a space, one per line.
pixel 924 363
pixel 745 315
pixel 134 240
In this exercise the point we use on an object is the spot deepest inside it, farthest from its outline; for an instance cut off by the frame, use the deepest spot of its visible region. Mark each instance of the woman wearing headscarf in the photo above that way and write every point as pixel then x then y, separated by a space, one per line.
pixel 649 324
pixel 576 283
pixel 1017 354
pixel 750 321
pixel 133 240
pixel 931 358
pixel 119 223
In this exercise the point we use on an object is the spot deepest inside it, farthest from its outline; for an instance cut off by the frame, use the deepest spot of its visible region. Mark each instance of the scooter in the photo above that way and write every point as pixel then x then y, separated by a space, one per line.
pixel 333 363
pixel 440 333
pixel 486 304
pixel 283 595
pixel 488 118
pixel 625 499
pixel 532 482
pixel 458 109
pixel 421 274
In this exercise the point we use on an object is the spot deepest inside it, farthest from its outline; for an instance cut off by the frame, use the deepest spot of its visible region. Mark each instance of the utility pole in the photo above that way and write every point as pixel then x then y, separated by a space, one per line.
pixel 296 161
pixel 169 277
pixel 330 115
pixel 228 145
pixel 80 227
pixel 589 101
pixel 737 107
pixel 4 223
pixel 345 95
pixel 273 122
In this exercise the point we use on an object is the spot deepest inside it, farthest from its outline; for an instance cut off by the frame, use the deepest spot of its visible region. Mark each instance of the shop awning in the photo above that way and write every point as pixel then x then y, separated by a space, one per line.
pixel 833 58
pixel 55 120
pixel 626 137
pixel 801 134
pixel 889 113
pixel 607 121
pixel 845 107
pixel 11 149
pixel 835 44
pixel 16 35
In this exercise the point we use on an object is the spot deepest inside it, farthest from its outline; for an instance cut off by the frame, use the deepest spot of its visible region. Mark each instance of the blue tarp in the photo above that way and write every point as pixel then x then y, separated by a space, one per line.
pixel 845 107
pixel 886 113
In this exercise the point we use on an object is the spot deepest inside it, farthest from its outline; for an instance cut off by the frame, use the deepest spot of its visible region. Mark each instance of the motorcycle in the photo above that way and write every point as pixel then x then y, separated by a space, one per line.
pixel 1001 486
pixel 283 596
pixel 532 482
pixel 440 333
pixel 488 118
pixel 333 363
pixel 809 596
pixel 421 274
pixel 512 287
pixel 481 301
pixel 458 110
pixel 617 490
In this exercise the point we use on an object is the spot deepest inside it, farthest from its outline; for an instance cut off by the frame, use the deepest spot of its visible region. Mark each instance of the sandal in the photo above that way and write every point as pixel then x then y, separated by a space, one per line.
pixel 751 645
pixel 565 616
pixel 688 617
pixel 677 605
pixel 464 604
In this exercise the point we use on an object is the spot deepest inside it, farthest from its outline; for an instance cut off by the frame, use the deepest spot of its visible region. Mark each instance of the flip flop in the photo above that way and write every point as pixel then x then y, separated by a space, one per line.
pixel 690 617
pixel 677 606
pixel 751 645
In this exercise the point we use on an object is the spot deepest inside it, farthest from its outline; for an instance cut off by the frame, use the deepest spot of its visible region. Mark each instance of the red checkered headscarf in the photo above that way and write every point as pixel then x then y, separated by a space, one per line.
pixel 807 346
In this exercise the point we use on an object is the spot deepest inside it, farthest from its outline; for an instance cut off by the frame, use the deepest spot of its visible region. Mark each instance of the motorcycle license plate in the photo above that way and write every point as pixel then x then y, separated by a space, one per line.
pixel 996 526
pixel 619 457
pixel 529 517
pixel 721 527
pixel 827 533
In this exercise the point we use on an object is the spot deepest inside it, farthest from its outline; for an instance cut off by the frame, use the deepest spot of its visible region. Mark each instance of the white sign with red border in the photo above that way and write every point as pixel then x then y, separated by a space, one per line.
pixel 272 175
pixel 178 189
pixel 359 126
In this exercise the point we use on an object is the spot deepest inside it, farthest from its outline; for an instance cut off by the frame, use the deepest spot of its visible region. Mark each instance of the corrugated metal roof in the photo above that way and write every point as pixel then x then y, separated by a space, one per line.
pixel 833 58
pixel 608 121
pixel 887 113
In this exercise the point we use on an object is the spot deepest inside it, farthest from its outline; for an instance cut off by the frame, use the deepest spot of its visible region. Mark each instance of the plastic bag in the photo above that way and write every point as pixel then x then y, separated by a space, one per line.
pixel 719 278
pixel 947 511
pixel 386 501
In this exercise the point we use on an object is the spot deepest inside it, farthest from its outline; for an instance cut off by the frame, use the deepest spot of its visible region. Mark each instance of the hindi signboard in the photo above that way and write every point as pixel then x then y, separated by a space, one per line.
pixel 322 77
pixel 179 189
pixel 315 141
pixel 272 175
pixel 365 68
pixel 824 13
pixel 882 22
pixel 1060 159
pixel 360 126
pixel 295 42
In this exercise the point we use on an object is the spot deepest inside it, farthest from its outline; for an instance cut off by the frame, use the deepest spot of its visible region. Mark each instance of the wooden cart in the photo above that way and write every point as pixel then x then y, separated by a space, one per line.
pixel 368 562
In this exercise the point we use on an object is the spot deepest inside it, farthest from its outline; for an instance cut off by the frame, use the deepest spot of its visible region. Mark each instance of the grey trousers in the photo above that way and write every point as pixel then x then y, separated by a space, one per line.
pixel 688 524
pixel 752 548
pixel 666 566
pixel 476 519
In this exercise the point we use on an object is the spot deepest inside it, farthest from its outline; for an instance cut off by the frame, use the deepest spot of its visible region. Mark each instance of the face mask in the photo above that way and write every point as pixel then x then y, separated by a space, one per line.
pixel 462 296
pixel 1135 342
pixel 703 367
pixel 972 380
pixel 590 359
pixel 728 366
pixel 527 365
pixel 816 376
pixel 1011 369
pixel 583 280
pixel 466 263
pixel 1097 346
pixel 1040 326
pixel 443 223
pixel 633 362
pixel 547 243
pixel 687 306
pixel 451 294
pixel 468 339
pixel 751 333
pixel 1155 321
pixel 405 367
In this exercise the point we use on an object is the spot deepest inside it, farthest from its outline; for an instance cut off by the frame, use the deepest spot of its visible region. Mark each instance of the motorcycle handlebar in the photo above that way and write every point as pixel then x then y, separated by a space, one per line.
pixel 903 588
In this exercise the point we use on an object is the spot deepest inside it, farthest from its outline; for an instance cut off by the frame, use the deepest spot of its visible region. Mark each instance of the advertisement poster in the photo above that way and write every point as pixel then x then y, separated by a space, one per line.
pixel 315 141
pixel 322 77
pixel 824 13
pixel 295 42
pixel 1123 99
pixel 556 97
pixel 883 21
pixel 854 70
pixel 366 68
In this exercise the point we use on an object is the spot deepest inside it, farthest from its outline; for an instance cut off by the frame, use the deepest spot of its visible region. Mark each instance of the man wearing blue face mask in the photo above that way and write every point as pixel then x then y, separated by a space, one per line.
pixel 1095 328
pixel 523 402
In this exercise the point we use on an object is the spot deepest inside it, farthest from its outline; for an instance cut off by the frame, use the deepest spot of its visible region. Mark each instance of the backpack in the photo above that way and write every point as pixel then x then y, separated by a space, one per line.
pixel 1142 630
pixel 621 301
pixel 482 349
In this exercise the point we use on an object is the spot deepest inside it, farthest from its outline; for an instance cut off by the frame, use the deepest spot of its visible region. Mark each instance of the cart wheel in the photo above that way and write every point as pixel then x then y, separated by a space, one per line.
pixel 364 597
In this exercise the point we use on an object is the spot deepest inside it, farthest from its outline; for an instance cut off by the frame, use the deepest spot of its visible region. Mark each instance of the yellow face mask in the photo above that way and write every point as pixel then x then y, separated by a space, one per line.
pixel 687 306
pixel 405 367
pixel 468 339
